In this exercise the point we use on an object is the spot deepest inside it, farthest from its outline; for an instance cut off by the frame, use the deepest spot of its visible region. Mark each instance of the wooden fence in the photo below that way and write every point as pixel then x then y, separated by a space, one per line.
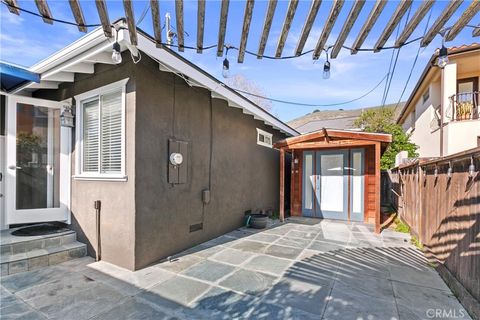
pixel 442 209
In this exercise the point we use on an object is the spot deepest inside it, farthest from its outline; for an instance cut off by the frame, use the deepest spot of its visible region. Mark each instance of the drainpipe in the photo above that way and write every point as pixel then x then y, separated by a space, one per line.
pixel 98 206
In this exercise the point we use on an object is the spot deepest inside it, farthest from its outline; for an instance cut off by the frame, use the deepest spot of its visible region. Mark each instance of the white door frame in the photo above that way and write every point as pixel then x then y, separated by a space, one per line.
pixel 12 215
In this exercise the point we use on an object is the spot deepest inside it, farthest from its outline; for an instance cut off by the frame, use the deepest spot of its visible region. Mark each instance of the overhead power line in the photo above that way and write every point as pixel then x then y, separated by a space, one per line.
pixel 311 104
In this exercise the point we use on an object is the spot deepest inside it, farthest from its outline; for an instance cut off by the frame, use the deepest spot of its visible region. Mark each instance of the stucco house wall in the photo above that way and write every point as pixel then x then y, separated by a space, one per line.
pixel 117 197
pixel 145 218
pixel 223 156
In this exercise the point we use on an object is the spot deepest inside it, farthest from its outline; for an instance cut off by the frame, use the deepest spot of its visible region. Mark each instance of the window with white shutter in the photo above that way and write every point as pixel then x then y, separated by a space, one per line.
pixel 101 133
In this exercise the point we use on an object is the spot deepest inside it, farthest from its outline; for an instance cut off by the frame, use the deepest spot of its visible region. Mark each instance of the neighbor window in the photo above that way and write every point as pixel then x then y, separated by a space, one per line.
pixel 426 96
pixel 264 138
pixel 101 133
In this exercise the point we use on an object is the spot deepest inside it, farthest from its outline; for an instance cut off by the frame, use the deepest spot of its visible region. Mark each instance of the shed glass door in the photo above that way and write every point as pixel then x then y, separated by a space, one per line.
pixel 332 185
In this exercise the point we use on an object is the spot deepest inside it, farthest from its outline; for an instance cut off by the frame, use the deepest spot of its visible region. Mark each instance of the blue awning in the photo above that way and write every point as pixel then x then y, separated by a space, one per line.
pixel 12 76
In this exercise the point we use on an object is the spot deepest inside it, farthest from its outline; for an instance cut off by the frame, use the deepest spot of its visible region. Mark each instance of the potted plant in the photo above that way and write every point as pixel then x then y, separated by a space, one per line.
pixel 464 110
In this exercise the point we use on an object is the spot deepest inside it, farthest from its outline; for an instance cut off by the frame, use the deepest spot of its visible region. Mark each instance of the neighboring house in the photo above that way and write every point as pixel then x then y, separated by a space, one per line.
pixel 167 154
pixel 338 119
pixel 442 114
pixel 335 174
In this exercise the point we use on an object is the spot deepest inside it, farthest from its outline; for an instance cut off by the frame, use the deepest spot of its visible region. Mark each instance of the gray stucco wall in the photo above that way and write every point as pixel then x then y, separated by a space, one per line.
pixel 244 175
pixel 118 198
pixel 145 218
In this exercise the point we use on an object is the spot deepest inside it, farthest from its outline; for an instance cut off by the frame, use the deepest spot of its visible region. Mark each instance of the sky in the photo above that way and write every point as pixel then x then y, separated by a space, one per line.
pixel 26 40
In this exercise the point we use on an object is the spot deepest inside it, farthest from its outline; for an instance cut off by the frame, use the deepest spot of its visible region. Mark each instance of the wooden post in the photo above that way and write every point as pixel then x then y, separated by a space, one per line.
pixel 377 187
pixel 282 184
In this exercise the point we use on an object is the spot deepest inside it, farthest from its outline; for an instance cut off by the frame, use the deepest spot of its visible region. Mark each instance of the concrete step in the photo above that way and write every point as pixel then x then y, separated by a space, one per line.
pixel 19 254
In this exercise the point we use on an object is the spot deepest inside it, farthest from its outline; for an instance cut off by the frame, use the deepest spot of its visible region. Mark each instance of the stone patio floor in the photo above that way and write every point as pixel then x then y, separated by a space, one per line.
pixel 303 269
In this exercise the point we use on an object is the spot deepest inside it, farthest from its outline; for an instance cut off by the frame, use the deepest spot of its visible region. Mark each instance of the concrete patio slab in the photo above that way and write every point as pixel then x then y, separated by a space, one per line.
pixel 303 269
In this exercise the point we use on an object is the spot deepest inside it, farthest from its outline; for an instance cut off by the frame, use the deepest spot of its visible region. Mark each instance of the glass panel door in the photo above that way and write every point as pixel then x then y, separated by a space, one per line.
pixel 38 177
pixel 332 189
pixel 356 185
pixel 37 157
pixel 308 207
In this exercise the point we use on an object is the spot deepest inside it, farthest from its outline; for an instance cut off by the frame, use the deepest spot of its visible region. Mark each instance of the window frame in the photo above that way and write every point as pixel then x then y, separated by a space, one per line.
pixel 80 100
pixel 266 134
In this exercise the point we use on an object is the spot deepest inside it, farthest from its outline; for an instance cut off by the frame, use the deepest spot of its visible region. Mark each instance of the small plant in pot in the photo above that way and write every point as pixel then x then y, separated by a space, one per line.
pixel 464 110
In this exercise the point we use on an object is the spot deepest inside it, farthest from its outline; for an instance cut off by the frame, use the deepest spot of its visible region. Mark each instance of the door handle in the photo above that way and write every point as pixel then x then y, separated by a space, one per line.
pixel 12 167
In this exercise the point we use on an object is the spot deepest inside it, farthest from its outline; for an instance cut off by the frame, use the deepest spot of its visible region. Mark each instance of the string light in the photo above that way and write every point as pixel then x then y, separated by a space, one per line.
pixel 442 60
pixel 326 66
pixel 226 64
pixel 471 168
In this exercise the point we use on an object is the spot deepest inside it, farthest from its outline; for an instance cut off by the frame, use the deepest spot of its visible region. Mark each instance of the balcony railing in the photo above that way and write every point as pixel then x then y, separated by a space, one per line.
pixel 464 106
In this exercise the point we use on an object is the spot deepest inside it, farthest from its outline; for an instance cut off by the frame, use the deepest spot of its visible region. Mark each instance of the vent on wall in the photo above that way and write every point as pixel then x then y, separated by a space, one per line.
pixel 196 227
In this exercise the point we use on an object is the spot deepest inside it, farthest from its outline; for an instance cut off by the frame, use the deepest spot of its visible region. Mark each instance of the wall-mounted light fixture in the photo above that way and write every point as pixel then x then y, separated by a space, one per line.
pixel 66 117
pixel 435 172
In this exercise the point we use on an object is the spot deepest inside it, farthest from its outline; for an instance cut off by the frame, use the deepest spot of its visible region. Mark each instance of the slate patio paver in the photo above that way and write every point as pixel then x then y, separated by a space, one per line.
pixel 209 270
pixel 268 264
pixel 249 282
pixel 232 256
pixel 304 269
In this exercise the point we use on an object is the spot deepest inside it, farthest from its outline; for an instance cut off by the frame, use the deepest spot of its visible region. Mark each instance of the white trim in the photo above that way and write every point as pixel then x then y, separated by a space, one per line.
pixel 79 101
pixel 95 42
pixel 267 135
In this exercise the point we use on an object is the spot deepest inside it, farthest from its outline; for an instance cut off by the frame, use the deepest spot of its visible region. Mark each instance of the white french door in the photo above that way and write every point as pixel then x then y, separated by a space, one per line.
pixel 37 162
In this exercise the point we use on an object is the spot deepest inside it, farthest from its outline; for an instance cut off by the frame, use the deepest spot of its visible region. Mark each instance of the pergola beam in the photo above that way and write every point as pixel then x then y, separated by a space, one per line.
pixel 413 23
pixel 157 30
pixel 440 22
pixel 247 18
pixel 476 31
pixel 78 15
pixel 104 20
pixel 465 18
pixel 44 10
pixel 132 29
pixel 307 27
pixel 267 24
pixel 368 25
pixel 222 27
pixel 292 8
pixel 179 21
pixel 352 17
pixel 392 23
pixel 200 25
pixel 332 17
pixel 12 6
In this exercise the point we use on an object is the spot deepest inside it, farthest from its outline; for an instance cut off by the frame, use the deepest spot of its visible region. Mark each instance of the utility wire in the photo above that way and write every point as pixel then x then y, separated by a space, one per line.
pixel 414 61
pixel 310 104
pixel 389 81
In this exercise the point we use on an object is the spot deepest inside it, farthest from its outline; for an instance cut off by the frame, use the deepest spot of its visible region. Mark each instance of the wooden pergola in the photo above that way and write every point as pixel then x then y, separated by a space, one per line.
pixel 336 6
pixel 328 139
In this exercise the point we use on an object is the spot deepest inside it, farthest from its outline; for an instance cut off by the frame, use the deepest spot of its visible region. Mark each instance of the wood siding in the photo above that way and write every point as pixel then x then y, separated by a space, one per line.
pixel 444 212
pixel 296 188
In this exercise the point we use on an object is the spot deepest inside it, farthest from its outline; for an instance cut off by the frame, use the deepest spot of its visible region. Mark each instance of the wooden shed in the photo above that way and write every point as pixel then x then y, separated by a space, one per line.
pixel 335 174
